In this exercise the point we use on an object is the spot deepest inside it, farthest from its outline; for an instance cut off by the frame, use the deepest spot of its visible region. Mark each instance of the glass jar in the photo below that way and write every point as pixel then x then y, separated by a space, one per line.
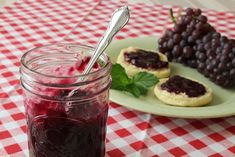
pixel 60 124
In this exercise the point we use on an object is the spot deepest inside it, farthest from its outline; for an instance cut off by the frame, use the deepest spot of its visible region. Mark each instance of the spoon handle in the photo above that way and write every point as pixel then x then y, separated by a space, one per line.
pixel 118 21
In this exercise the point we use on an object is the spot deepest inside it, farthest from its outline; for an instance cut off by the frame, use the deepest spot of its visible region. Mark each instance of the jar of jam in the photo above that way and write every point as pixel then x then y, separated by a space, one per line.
pixel 66 111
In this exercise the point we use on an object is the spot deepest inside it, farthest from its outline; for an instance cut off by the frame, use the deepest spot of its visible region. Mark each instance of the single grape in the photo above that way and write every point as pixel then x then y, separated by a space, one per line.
pixel 223 39
pixel 202 18
pixel 222 66
pixel 224 58
pixel 183 43
pixel 233 50
pixel 197 12
pixel 188 19
pixel 228 46
pixel 177 50
pixel 170 44
pixel 233 62
pixel 191 39
pixel 216 35
pixel 199 26
pixel 189 11
pixel 202 57
pixel 176 38
pixel 232 72
pixel 187 52
pixel 229 65
pixel 200 47
pixel 177 28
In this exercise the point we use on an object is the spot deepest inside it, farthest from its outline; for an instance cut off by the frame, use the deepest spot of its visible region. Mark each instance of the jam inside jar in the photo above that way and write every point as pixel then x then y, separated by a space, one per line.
pixel 59 125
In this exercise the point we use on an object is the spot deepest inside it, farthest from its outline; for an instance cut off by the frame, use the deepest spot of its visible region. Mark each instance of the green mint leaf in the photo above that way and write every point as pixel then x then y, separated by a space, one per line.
pixel 119 77
pixel 137 86
pixel 143 90
pixel 134 90
pixel 145 80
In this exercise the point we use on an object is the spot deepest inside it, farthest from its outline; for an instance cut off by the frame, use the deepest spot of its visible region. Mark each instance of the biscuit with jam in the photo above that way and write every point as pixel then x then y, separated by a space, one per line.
pixel 181 91
pixel 136 60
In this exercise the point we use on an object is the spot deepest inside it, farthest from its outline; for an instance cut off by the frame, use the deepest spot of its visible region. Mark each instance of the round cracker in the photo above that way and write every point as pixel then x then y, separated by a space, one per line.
pixel 182 99
pixel 131 70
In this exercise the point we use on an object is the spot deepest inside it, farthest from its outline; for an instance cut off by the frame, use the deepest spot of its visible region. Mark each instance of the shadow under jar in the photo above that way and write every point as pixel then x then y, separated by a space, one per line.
pixel 59 125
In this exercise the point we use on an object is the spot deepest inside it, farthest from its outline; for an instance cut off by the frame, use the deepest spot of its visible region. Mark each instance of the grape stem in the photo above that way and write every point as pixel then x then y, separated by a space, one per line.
pixel 172 16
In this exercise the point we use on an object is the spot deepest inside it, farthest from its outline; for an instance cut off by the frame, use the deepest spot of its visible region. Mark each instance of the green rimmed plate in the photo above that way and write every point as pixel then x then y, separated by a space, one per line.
pixel 223 103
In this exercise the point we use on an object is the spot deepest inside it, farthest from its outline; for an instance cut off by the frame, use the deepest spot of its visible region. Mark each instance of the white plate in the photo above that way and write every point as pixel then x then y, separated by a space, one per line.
pixel 223 103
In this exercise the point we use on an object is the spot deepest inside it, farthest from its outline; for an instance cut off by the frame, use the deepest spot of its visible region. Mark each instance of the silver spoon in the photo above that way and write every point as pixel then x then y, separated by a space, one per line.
pixel 119 20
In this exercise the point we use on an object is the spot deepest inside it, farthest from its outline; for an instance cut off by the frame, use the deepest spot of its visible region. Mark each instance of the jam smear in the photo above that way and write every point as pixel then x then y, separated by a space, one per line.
pixel 145 59
pixel 82 65
pixel 75 130
pixel 178 84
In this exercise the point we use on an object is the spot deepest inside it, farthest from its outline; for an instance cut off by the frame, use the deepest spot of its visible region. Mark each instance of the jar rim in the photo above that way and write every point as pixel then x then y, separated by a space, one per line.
pixel 103 68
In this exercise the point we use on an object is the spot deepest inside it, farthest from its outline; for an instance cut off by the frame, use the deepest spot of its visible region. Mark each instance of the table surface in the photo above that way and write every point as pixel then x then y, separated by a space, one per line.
pixel 31 23
pixel 220 5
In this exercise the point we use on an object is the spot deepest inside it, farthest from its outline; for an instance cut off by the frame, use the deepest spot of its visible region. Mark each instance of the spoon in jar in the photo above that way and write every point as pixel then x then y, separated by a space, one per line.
pixel 119 20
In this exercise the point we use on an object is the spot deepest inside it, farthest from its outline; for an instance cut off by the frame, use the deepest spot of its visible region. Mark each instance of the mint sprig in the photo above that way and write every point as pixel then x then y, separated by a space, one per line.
pixel 137 85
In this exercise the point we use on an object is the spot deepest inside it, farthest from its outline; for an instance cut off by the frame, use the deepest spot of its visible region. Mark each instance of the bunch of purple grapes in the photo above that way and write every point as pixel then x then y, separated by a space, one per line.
pixel 195 43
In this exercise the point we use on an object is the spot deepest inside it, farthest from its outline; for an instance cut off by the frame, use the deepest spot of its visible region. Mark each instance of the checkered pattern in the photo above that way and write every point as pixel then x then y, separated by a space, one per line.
pixel 129 133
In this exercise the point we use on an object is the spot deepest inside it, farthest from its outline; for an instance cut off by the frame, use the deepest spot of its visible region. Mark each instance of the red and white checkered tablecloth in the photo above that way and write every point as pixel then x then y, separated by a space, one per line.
pixel 32 23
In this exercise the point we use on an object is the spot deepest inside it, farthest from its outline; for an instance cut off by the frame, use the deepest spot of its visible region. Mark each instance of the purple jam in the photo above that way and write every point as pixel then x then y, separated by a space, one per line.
pixel 145 59
pixel 76 130
pixel 177 84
